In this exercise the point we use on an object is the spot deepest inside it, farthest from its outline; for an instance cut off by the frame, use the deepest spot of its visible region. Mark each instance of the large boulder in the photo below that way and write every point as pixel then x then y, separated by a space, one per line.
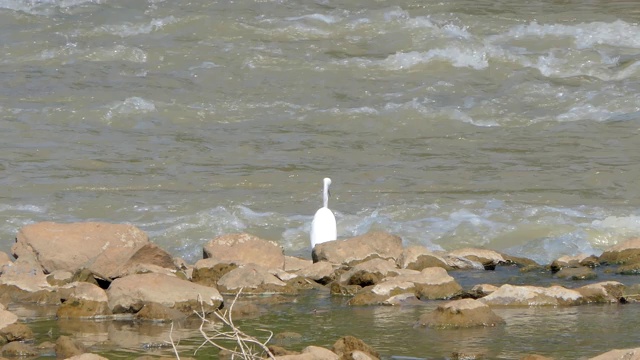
pixel 370 272
pixel 626 252
pixel 461 314
pixel 418 257
pixel 322 272
pixel 21 282
pixel 603 292
pixel 253 279
pixel 129 294
pixel 101 247
pixel 245 249
pixel 376 244
pixel 510 295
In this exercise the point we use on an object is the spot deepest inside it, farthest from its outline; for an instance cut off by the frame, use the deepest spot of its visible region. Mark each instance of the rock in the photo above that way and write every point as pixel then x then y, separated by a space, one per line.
pixel 67 347
pixel 149 258
pixel 245 249
pixel 402 299
pixel 370 272
pixel 567 261
pixel 294 264
pixel 129 294
pixel 629 269
pixel 101 247
pixel 367 297
pixel 419 257
pixel 346 345
pixel 623 253
pixel 87 356
pixel 60 278
pixel 461 314
pixel 311 353
pixel 510 295
pixel 287 338
pixel 7 318
pixel 18 349
pixel 619 354
pixel 603 292
pixel 482 290
pixel 577 273
pixel 4 259
pixel 462 263
pixel 488 258
pixel 156 312
pixel 435 283
pixel 208 271
pixel 22 283
pixel 83 300
pixel 252 279
pixel 376 244
pixel 344 290
pixel 16 332
pixel 278 351
pixel 535 357
pixel 321 272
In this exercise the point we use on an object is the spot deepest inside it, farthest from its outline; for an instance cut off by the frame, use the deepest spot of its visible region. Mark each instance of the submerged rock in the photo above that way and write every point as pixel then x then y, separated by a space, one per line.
pixel 376 244
pixel 510 295
pixel 461 314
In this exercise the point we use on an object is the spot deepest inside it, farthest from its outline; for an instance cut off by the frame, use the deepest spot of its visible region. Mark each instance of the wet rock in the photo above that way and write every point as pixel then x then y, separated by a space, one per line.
pixel 376 244
pixel 101 247
pixel 344 290
pixel 208 271
pixel 148 258
pixel 519 261
pixel 482 290
pixel 83 300
pixel 435 283
pixel 367 297
pixel 577 273
pixel 157 312
pixel 129 294
pixel 22 283
pixel 419 257
pixel 488 258
pixel 461 314
pixel 16 332
pixel 245 249
pixel 253 279
pixel 67 347
pixel 402 299
pixel 535 357
pixel 462 263
pixel 603 292
pixel 510 295
pixel 370 272
pixel 347 345
pixel 87 356
pixel 311 353
pixel 629 269
pixel 278 351
pixel 623 253
pixel 619 354
pixel 321 272
pixel 19 349
pixel 567 261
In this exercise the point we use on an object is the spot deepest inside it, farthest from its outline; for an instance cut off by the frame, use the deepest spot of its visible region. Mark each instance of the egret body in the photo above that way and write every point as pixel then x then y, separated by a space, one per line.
pixel 323 227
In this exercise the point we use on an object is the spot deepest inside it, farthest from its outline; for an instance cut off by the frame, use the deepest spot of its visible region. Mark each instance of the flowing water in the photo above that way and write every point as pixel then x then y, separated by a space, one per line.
pixel 509 125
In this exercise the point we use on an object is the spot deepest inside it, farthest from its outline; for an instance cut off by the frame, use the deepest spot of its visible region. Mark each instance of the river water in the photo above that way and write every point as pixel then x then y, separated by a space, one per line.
pixel 509 125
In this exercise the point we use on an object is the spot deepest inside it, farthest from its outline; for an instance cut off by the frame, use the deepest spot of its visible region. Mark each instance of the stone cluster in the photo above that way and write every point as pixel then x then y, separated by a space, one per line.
pixel 98 270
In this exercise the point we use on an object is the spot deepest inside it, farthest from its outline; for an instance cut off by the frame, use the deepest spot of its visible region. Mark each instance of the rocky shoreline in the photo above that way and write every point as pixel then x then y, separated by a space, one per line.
pixel 100 271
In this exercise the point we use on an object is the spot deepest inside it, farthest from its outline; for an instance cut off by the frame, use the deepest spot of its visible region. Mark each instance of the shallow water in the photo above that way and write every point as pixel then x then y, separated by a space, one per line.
pixel 506 125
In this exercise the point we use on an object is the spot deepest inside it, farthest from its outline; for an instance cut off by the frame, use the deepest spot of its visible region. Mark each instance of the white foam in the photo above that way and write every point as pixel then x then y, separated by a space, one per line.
pixel 456 56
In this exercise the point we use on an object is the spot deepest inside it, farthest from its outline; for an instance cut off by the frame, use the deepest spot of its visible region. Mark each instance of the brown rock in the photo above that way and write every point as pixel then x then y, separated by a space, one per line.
pixel 509 295
pixel 245 249
pixel 16 332
pixel 100 247
pixel 577 273
pixel 367 297
pixel 482 290
pixel 603 292
pixel 370 272
pixel 280 351
pixel 535 357
pixel 431 283
pixel 4 259
pixel 87 356
pixel 157 312
pixel 567 261
pixel 322 272
pixel 83 300
pixel 419 257
pixel 629 269
pixel 129 294
pixel 208 271
pixel 344 290
pixel 619 354
pixel 461 314
pixel 18 349
pixel 60 278
pixel 252 279
pixel 358 249
pixel 67 347
pixel 488 258
pixel 623 253
pixel 346 345
pixel 7 318
pixel 293 264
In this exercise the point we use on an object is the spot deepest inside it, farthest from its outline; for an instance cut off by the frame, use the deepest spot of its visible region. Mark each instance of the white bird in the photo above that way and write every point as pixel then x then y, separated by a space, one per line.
pixel 323 227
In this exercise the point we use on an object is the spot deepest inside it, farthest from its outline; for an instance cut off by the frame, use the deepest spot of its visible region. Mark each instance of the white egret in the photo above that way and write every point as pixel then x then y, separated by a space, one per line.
pixel 323 227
